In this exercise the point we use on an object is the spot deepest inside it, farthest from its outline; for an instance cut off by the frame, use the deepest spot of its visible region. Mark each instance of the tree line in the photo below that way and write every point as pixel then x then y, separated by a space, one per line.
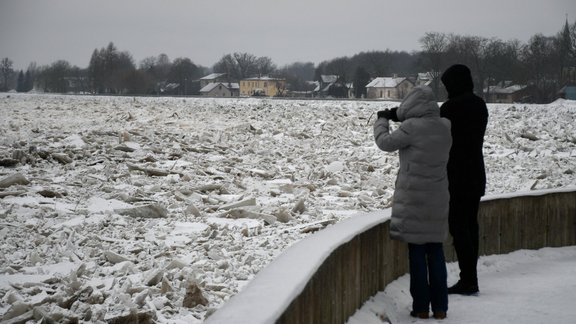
pixel 545 63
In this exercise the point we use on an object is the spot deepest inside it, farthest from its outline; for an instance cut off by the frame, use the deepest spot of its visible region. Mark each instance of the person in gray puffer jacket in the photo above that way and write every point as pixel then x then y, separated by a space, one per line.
pixel 421 199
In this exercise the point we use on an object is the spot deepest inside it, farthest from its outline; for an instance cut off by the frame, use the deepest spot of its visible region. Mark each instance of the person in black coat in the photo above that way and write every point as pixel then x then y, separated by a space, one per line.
pixel 466 173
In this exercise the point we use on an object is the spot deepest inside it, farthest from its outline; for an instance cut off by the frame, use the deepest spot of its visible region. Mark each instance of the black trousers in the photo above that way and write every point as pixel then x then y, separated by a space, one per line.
pixel 463 222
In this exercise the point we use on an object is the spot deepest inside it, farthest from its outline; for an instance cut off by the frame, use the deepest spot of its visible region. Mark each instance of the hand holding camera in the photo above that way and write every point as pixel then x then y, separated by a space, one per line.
pixel 390 114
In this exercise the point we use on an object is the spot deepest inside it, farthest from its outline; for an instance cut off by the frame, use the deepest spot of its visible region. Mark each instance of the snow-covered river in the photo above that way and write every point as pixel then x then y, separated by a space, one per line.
pixel 163 208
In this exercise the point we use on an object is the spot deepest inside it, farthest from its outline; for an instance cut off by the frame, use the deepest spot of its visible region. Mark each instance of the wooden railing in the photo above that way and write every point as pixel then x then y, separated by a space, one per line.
pixel 326 277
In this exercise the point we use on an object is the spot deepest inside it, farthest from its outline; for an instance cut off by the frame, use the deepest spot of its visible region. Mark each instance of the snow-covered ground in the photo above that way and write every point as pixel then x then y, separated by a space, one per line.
pixel 163 208
pixel 526 286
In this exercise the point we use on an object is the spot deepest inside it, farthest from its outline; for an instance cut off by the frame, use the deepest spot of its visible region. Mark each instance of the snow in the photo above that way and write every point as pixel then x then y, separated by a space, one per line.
pixel 385 82
pixel 286 277
pixel 525 286
pixel 290 167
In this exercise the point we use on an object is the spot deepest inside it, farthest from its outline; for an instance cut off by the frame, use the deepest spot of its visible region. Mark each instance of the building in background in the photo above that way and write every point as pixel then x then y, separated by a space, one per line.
pixel 568 92
pixel 263 86
pixel 507 93
pixel 212 78
pixel 391 88
pixel 221 89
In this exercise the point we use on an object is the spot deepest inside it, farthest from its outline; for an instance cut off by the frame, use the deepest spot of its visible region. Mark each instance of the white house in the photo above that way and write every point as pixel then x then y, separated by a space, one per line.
pixel 221 89
pixel 392 88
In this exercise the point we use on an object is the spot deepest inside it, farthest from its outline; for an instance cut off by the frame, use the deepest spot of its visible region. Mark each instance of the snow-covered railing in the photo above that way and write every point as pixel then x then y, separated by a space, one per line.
pixel 326 277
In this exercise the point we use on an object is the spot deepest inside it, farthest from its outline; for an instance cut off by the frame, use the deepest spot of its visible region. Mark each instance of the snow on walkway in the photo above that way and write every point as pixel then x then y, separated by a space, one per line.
pixel 526 286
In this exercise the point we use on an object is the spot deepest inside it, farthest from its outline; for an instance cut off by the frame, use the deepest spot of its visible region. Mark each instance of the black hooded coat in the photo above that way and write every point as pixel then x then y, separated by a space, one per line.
pixel 469 117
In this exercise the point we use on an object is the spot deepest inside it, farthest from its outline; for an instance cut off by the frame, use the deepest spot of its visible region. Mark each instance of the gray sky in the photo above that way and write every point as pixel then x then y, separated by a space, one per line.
pixel 44 31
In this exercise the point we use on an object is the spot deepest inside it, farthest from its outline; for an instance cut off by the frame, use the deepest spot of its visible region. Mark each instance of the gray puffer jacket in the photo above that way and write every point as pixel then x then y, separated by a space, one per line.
pixel 420 202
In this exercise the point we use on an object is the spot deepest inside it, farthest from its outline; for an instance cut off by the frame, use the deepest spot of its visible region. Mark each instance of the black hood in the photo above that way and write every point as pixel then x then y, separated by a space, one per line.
pixel 458 80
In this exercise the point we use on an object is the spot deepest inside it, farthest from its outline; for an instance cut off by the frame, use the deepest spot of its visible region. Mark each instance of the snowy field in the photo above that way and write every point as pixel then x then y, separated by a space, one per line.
pixel 117 207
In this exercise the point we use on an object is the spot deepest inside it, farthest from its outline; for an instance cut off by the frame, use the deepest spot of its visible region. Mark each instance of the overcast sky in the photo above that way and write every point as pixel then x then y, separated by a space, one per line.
pixel 44 31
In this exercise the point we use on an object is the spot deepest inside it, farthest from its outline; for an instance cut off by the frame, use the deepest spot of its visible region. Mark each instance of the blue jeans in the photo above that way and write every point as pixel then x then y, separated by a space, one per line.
pixel 428 277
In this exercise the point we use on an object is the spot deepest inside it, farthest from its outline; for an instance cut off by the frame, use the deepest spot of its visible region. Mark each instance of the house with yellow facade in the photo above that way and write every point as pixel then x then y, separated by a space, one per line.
pixel 263 86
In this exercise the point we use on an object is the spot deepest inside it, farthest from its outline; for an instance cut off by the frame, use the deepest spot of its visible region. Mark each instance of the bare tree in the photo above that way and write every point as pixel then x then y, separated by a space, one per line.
pixel 154 70
pixel 376 63
pixel 55 77
pixel 239 66
pixel 30 76
pixel 227 64
pixel 339 67
pixel 537 58
pixel 6 72
pixel 265 66
pixel 109 68
pixel 502 62
pixel 361 79
pixel 297 74
pixel 470 50
pixel 434 46
pixel 162 67
pixel 183 71
pixel 246 63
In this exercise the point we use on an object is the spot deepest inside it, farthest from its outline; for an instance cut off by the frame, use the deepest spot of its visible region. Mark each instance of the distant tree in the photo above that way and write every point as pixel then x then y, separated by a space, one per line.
pixel 30 77
pixel 79 80
pixel 163 66
pixel 339 66
pixel 265 66
pixel 434 46
pixel 6 72
pixel 247 65
pixel 109 69
pixel 122 66
pixel 55 77
pixel 227 64
pixel 153 73
pixel 183 71
pixel 502 61
pixel 139 82
pixel 537 57
pixel 297 76
pixel 376 63
pixel 147 64
pixel 320 70
pixel 280 89
pixel 20 87
pixel 301 70
pixel 97 72
pixel 403 63
pixel 470 50
pixel 239 66
pixel 361 79
pixel 28 81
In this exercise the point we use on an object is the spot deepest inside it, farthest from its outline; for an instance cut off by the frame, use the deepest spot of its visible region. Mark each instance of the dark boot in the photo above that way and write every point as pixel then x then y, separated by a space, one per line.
pixel 439 315
pixel 422 315
pixel 462 288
